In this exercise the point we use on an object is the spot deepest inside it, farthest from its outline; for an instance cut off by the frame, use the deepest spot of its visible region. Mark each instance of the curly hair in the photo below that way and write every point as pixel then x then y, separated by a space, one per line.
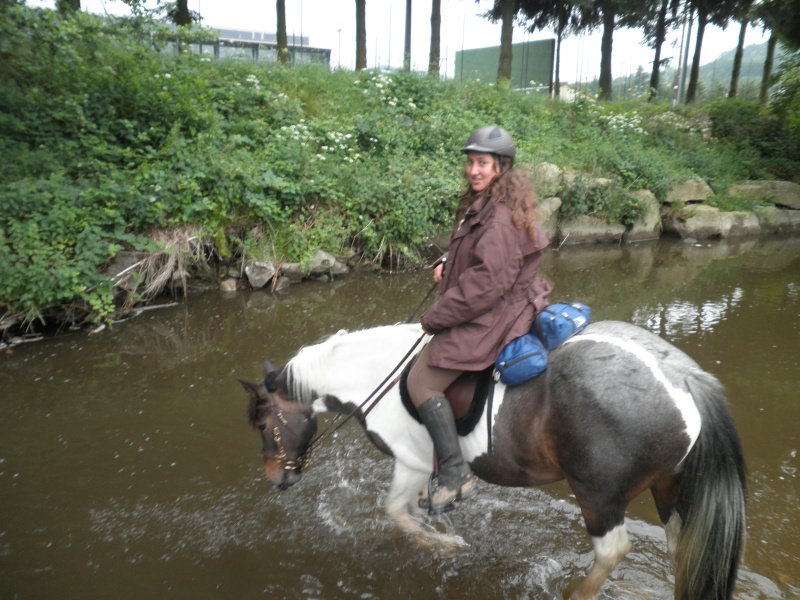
pixel 512 188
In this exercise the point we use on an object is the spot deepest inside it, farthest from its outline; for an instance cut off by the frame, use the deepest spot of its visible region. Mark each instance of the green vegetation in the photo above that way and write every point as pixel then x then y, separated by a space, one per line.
pixel 109 138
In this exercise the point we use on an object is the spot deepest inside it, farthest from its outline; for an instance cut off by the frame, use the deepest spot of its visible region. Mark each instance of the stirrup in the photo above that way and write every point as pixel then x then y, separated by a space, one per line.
pixel 448 506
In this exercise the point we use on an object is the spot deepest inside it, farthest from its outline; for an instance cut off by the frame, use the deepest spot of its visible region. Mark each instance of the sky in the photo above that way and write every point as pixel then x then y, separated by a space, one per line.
pixel 330 24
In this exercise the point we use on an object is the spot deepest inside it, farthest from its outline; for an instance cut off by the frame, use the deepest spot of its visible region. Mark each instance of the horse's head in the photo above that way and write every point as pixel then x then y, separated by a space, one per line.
pixel 287 428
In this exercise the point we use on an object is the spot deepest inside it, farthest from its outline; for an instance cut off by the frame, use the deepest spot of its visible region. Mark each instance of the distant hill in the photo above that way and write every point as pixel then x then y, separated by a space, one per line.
pixel 715 75
pixel 718 72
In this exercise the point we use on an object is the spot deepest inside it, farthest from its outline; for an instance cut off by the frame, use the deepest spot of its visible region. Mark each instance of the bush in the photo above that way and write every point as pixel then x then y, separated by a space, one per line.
pixel 745 128
pixel 107 136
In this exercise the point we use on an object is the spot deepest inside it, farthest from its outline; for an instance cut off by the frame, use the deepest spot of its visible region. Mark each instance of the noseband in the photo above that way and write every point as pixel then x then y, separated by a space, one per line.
pixel 301 462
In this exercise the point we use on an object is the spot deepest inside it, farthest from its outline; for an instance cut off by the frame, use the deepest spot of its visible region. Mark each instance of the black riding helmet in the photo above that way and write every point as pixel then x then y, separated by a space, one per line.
pixel 492 140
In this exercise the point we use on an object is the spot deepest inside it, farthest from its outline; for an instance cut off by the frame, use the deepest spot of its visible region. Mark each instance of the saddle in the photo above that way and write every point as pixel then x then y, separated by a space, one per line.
pixel 467 396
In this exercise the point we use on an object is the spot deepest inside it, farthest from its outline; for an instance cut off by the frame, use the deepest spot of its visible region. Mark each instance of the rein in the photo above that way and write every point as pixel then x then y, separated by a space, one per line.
pixel 305 459
pixel 380 396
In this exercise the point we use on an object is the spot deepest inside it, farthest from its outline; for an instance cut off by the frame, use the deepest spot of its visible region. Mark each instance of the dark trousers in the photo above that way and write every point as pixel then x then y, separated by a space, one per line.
pixel 425 381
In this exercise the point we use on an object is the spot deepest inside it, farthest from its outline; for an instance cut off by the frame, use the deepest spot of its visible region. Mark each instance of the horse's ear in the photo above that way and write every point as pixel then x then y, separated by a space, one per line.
pixel 252 390
pixel 267 365
pixel 270 375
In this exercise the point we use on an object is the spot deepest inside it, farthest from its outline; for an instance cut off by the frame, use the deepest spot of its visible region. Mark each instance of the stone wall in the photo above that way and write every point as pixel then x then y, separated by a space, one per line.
pixel 683 213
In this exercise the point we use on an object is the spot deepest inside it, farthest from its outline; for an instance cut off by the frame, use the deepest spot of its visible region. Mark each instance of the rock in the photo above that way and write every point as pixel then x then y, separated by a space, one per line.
pixel 588 230
pixel 794 219
pixel 546 179
pixel 293 272
pixel 703 222
pixel 775 220
pixel 321 263
pixel 322 266
pixel 548 215
pixel 121 270
pixel 339 268
pixel 693 190
pixel 568 176
pixel 648 227
pixel 282 283
pixel 259 273
pixel 227 286
pixel 779 193
pixel 743 224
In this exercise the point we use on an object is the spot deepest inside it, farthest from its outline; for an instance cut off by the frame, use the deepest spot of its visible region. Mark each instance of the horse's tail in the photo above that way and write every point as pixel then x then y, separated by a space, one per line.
pixel 711 501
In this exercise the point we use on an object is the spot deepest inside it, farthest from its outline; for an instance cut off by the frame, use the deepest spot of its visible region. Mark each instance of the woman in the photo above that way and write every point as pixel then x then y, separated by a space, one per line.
pixel 489 293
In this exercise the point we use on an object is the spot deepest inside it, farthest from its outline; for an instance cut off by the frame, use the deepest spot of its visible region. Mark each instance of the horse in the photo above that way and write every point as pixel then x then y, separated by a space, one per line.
pixel 618 411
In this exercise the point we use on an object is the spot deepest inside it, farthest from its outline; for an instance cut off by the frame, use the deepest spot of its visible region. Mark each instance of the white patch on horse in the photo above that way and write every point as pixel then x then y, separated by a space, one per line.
pixel 683 399
pixel 612 547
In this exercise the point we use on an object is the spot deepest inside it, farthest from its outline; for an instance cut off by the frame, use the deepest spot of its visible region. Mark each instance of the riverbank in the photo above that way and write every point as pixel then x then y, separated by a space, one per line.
pixel 119 152
pixel 185 263
pixel 684 214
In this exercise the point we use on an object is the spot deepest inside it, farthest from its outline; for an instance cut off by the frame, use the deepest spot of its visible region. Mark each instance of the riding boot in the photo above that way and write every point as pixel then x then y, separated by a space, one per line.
pixel 456 481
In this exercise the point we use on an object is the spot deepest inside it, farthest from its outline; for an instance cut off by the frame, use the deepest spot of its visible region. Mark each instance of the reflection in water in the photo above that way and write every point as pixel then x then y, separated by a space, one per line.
pixel 128 469
pixel 684 318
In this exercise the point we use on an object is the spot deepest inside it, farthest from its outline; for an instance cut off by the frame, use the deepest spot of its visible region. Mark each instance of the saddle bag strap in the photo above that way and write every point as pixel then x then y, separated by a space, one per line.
pixel 489 412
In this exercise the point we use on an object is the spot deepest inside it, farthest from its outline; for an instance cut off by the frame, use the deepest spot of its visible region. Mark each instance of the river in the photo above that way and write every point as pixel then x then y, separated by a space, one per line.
pixel 128 469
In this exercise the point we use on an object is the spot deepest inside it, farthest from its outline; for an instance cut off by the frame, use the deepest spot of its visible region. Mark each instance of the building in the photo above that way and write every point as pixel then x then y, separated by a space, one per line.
pixel 262 47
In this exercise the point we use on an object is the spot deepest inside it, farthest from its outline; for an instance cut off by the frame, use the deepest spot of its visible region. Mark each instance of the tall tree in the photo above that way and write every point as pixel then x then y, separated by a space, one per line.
pixel 436 39
pixel 508 12
pixel 609 21
pixel 407 42
pixel 656 26
pixel 68 6
pixel 180 13
pixel 361 35
pixel 610 14
pixel 787 22
pixel 504 11
pixel 743 16
pixel 766 77
pixel 283 40
pixel 716 12
pixel 782 18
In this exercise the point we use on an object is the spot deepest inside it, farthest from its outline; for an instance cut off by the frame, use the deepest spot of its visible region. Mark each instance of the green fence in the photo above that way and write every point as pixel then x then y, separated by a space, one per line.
pixel 531 64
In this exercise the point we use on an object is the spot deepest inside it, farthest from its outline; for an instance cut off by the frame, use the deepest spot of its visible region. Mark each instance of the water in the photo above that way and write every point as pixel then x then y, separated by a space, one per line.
pixel 128 469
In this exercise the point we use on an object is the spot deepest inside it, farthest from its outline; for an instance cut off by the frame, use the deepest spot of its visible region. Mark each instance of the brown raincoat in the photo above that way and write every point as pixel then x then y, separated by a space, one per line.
pixel 490 291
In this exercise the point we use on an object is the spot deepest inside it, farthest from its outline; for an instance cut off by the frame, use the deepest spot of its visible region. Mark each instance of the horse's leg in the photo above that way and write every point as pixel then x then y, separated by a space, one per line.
pixel 609 550
pixel 405 489
pixel 665 495
pixel 610 541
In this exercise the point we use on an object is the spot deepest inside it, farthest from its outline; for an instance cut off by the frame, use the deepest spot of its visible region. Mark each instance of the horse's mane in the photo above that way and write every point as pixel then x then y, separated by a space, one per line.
pixel 348 360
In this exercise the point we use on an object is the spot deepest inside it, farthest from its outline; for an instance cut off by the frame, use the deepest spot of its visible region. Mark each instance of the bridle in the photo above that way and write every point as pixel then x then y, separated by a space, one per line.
pixel 304 461
pixel 282 458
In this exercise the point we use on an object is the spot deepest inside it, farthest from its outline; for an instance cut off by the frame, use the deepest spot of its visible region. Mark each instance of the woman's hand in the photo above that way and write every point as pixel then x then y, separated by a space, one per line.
pixel 438 272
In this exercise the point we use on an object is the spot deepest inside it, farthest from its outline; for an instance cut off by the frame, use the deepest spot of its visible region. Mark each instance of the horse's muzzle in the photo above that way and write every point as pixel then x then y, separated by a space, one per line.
pixel 282 478
pixel 289 479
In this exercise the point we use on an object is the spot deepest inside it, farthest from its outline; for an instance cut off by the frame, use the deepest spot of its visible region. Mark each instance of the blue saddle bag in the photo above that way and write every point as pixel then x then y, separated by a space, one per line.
pixel 521 359
pixel 558 322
